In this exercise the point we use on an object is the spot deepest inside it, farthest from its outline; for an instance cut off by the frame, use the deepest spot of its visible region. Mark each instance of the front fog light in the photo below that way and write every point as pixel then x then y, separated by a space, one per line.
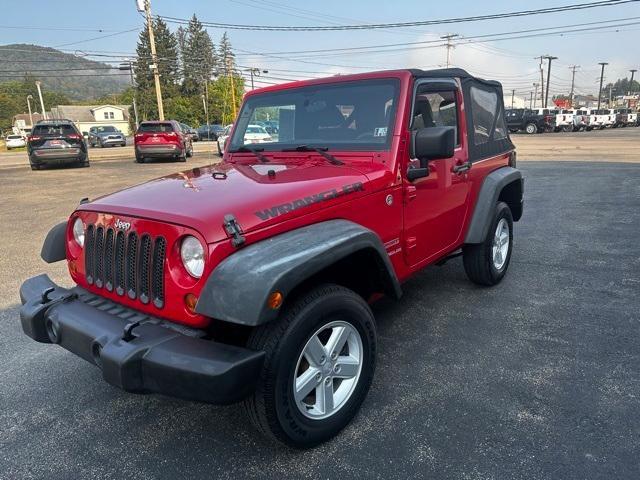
pixel 192 253
pixel 78 232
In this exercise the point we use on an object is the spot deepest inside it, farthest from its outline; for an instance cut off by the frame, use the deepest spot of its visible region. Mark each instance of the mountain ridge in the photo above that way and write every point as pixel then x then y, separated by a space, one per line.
pixel 78 78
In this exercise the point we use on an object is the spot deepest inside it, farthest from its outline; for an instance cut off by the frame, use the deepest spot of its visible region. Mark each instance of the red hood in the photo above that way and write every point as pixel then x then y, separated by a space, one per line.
pixel 200 198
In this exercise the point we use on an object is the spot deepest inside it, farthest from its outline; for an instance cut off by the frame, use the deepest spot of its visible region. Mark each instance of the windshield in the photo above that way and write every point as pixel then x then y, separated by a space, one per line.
pixel 155 127
pixel 53 129
pixel 340 116
pixel 13 137
pixel 106 129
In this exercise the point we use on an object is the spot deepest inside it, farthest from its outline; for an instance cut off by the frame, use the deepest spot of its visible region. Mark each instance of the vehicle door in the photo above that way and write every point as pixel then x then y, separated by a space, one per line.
pixel 435 206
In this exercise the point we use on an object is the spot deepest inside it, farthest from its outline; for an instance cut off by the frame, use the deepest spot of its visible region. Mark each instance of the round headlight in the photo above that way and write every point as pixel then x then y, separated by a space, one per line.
pixel 192 253
pixel 78 232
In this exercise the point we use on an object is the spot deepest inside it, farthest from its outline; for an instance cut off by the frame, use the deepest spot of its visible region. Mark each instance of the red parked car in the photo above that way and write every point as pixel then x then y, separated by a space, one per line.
pixel 250 280
pixel 164 139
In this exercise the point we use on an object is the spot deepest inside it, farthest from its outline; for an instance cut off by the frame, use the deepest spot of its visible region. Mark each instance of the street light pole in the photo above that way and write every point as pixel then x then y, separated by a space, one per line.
pixel 601 78
pixel 535 98
pixel 550 58
pixel 254 71
pixel 129 66
pixel 206 114
pixel 30 97
pixel 633 72
pixel 44 113
pixel 154 58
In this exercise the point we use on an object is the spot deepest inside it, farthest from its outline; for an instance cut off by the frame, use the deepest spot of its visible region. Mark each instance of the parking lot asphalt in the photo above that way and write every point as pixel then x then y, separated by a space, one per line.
pixel 537 378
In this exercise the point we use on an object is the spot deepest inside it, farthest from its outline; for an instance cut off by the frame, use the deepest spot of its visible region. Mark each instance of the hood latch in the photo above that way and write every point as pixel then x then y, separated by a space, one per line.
pixel 234 230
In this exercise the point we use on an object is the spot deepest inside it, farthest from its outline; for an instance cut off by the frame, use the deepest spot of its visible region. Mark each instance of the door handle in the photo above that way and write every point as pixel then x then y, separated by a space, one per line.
pixel 463 167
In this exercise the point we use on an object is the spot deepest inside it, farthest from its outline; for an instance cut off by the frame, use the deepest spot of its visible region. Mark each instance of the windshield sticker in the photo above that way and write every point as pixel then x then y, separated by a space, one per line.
pixel 380 132
pixel 278 210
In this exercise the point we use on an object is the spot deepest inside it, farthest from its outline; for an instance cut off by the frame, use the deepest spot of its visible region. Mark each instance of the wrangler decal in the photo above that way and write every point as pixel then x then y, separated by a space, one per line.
pixel 277 210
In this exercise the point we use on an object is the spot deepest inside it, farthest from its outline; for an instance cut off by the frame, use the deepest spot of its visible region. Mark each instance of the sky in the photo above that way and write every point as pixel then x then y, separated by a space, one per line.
pixel 73 25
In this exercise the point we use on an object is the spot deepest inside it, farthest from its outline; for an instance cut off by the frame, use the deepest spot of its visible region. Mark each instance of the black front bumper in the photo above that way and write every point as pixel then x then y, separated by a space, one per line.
pixel 157 356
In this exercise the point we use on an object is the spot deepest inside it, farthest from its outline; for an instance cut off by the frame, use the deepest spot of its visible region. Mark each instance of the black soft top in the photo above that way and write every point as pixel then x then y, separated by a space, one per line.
pixel 460 73
pixel 486 126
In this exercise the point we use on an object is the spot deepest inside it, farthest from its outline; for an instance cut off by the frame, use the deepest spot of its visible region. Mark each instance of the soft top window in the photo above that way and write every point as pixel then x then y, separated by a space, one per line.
pixel 155 127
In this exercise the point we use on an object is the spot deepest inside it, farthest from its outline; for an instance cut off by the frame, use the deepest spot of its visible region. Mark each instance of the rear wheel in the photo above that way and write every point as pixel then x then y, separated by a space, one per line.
pixel 319 364
pixel 190 151
pixel 487 262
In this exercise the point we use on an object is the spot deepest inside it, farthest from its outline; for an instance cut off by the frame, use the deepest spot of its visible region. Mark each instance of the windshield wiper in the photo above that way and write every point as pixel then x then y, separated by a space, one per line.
pixel 321 150
pixel 255 151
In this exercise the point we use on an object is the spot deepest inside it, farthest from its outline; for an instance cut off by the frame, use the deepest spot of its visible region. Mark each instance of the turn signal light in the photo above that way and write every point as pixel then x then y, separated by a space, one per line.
pixel 275 300
pixel 190 301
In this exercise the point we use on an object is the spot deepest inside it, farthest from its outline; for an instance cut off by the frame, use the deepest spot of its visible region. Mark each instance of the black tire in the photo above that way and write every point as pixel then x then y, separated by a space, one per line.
pixel 139 159
pixel 272 408
pixel 189 153
pixel 531 128
pixel 219 149
pixel 183 156
pixel 478 259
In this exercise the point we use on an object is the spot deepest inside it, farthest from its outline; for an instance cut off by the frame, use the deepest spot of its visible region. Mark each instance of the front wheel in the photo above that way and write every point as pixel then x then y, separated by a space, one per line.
pixel 487 262
pixel 531 128
pixel 319 364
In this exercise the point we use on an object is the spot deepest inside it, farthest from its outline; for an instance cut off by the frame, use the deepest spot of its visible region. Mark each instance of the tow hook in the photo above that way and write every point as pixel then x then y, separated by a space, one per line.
pixel 127 334
pixel 48 303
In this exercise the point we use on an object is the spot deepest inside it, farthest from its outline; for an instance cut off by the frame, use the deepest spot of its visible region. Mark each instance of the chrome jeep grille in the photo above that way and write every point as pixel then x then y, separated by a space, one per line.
pixel 129 264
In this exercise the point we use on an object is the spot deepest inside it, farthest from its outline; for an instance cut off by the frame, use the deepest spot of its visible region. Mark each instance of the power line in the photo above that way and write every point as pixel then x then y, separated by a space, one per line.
pixel 97 38
pixel 373 26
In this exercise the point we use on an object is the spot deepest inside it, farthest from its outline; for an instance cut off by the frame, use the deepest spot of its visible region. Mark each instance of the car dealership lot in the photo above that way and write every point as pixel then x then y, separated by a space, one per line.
pixel 538 377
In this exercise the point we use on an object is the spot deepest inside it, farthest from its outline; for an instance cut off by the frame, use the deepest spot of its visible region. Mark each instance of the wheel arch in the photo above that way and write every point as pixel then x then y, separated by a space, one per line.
pixel 338 251
pixel 504 184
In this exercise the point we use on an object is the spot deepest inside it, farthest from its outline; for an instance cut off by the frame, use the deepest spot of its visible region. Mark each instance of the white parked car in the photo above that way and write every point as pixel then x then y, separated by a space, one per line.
pixel 256 134
pixel 608 117
pixel 253 134
pixel 580 119
pixel 222 139
pixel 595 120
pixel 564 119
pixel 15 141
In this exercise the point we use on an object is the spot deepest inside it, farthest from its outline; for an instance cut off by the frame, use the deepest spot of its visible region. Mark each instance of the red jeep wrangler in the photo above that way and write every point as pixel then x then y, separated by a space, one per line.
pixel 250 280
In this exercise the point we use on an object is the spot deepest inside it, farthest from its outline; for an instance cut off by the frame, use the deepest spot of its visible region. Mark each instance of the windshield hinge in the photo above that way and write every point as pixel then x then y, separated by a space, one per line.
pixel 234 230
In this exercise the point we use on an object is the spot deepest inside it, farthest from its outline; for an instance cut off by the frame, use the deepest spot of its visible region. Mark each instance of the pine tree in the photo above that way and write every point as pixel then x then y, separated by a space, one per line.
pixel 198 57
pixel 227 58
pixel 167 53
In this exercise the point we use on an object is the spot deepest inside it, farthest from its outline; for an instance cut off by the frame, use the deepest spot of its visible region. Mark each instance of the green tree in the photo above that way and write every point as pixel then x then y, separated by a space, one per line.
pixel 227 59
pixel 167 53
pixel 198 57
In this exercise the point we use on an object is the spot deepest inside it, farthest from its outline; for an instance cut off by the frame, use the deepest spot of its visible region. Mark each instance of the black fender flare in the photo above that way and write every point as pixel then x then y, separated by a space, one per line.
pixel 489 194
pixel 237 289
pixel 54 246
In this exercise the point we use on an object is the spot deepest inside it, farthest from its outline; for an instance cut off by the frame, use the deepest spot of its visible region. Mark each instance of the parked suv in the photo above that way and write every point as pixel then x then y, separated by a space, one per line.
pixel 250 280
pixel 164 139
pixel 56 142
pixel 15 141
pixel 521 119
pixel 106 136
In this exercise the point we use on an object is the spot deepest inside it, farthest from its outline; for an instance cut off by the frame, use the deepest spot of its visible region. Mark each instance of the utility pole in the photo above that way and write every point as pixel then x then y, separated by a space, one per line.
pixel 601 78
pixel 154 59
pixel 30 97
pixel 610 97
pixel 513 94
pixel 530 100
pixel 549 58
pixel 449 45
pixel 233 88
pixel 254 71
pixel 541 81
pixel 573 82
pixel 535 98
pixel 44 112
pixel 633 72
pixel 128 65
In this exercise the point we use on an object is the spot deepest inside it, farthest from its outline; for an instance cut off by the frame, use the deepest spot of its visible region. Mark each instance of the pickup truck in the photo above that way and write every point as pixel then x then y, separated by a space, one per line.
pixel 251 280
pixel 521 119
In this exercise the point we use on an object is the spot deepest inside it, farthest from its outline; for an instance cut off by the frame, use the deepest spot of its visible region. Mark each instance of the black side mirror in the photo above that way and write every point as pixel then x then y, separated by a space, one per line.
pixel 430 143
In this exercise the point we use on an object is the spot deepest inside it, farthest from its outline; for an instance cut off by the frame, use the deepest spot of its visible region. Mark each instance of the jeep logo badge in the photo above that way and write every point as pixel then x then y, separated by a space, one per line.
pixel 120 225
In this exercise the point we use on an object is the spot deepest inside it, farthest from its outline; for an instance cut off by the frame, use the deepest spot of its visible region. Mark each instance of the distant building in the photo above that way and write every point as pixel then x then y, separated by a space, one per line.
pixel 586 101
pixel 87 116
pixel 22 122
pixel 84 116
pixel 518 102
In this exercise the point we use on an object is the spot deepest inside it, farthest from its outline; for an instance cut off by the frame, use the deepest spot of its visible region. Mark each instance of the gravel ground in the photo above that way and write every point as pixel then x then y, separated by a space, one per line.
pixel 537 378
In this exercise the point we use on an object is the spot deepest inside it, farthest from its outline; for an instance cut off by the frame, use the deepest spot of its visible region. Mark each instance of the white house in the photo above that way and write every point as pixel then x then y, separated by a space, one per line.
pixel 87 116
